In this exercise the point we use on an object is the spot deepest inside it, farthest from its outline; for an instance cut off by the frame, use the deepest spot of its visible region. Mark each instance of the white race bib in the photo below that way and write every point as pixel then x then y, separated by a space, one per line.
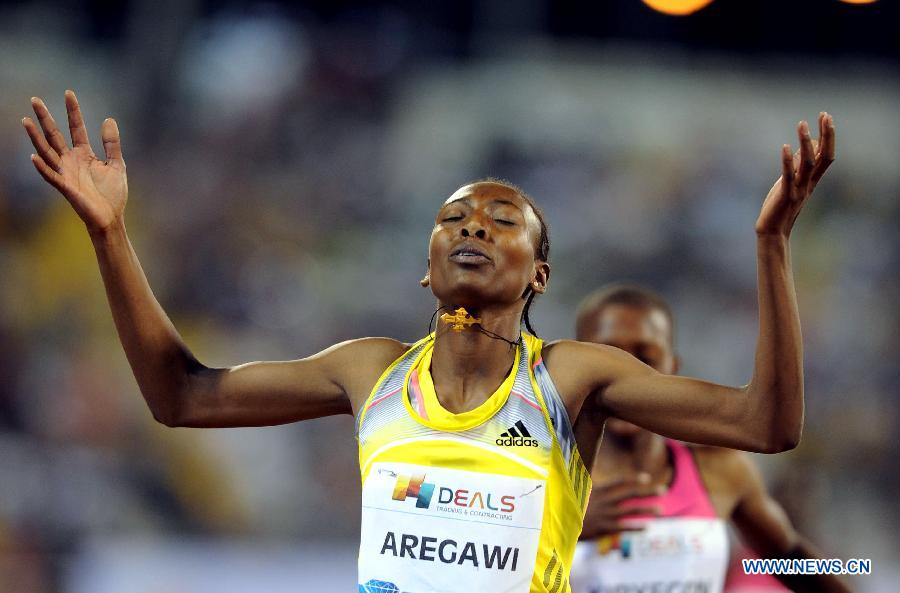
pixel 428 529
pixel 678 555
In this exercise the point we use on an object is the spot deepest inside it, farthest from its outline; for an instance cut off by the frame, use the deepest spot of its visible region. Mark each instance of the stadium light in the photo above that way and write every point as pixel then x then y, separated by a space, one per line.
pixel 677 7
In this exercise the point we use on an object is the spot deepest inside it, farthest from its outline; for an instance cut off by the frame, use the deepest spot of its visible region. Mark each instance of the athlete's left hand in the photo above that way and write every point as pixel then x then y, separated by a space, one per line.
pixel 800 174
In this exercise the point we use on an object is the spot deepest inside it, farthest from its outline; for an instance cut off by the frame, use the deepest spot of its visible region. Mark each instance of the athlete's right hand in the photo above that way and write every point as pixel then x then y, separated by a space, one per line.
pixel 606 515
pixel 96 189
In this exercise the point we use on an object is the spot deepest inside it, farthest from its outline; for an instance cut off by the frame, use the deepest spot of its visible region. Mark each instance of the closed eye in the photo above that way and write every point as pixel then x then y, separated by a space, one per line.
pixel 452 218
pixel 504 222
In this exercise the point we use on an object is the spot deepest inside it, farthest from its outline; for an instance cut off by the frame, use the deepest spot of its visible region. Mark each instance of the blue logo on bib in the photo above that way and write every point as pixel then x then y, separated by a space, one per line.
pixel 376 586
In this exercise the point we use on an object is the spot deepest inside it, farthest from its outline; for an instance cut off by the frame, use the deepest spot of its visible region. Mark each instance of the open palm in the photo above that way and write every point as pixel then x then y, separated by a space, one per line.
pixel 800 173
pixel 97 189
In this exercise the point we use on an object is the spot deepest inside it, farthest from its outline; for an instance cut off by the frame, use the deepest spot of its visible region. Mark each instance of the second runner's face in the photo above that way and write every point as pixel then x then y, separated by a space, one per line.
pixel 482 248
pixel 643 332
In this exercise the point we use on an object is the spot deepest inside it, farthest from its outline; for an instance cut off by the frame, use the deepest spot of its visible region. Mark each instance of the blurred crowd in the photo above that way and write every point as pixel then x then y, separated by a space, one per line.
pixel 284 174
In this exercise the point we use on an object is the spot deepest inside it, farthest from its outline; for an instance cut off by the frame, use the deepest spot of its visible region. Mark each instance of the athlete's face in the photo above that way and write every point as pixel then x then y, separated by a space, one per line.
pixel 643 332
pixel 482 249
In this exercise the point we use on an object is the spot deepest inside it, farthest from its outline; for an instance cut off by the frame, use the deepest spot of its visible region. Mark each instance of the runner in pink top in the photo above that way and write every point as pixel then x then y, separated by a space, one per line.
pixel 683 544
pixel 657 515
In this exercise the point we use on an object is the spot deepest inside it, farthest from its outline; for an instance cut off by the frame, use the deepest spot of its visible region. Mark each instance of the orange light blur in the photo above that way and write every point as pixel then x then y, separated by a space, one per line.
pixel 677 7
pixel 859 1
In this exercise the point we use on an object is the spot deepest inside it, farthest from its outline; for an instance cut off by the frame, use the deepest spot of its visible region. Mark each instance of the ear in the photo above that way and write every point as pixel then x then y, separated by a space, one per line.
pixel 427 279
pixel 541 277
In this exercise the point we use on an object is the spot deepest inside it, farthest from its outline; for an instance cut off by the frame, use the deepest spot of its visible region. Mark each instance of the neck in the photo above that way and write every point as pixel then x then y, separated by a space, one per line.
pixel 641 452
pixel 467 366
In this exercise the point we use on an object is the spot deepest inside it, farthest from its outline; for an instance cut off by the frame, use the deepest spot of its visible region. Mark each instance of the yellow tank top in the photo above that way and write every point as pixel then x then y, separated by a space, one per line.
pixel 487 500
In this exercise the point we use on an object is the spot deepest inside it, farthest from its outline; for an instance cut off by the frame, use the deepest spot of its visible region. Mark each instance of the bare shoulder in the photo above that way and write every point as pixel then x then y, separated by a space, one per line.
pixel 366 353
pixel 590 364
pixel 564 360
pixel 372 348
pixel 357 364
pixel 579 368
pixel 572 353
pixel 576 348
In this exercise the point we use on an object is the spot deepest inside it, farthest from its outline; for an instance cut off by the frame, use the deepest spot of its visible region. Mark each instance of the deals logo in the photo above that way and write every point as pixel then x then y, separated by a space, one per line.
pixel 452 500
pixel 516 436
pixel 608 543
pixel 414 486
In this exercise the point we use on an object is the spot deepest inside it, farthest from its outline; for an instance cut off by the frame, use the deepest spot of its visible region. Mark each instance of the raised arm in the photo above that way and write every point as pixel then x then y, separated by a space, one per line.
pixel 767 414
pixel 179 390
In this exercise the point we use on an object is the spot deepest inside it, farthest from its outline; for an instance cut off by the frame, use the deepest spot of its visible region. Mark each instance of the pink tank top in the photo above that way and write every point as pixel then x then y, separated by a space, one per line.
pixel 685 548
pixel 686 496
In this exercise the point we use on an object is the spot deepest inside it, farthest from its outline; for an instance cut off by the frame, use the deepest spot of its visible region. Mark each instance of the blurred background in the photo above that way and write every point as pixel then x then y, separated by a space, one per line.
pixel 286 161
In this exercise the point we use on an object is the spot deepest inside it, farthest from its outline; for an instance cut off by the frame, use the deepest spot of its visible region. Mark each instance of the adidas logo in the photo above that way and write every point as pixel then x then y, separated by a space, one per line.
pixel 516 436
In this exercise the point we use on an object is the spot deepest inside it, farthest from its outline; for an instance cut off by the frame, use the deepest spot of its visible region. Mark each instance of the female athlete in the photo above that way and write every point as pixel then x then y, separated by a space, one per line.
pixel 658 510
pixel 472 478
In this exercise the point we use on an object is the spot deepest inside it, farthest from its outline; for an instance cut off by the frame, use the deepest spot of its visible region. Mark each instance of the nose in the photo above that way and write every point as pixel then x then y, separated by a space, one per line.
pixel 474 228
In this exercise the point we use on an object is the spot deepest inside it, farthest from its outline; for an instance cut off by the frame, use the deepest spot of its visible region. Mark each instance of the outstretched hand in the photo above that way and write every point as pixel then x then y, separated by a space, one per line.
pixel 97 189
pixel 800 173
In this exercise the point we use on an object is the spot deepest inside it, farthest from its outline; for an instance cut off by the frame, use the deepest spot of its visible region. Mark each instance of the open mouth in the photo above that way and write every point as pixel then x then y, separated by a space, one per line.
pixel 468 254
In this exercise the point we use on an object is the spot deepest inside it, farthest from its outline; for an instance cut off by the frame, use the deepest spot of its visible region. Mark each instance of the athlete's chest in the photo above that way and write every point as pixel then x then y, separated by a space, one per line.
pixel 514 439
pixel 459 397
pixel 406 413
pixel 453 502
